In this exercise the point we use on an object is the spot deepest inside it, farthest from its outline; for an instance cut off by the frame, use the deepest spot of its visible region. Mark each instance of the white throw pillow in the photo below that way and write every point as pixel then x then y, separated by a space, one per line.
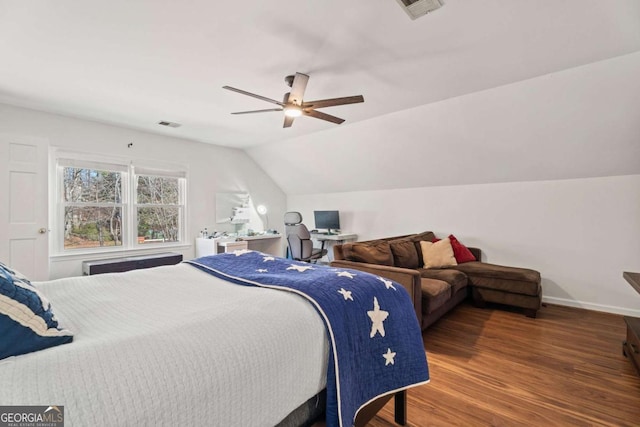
pixel 438 254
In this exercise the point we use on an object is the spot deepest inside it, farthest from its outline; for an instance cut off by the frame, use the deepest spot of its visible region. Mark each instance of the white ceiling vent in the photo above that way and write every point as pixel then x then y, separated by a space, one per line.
pixel 418 8
pixel 169 124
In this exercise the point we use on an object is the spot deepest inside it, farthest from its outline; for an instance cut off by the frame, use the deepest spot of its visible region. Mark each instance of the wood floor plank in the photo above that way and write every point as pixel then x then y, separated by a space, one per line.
pixel 492 367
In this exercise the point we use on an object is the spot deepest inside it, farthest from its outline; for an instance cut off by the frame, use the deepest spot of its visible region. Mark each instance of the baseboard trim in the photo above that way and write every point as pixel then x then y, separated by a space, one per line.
pixel 589 306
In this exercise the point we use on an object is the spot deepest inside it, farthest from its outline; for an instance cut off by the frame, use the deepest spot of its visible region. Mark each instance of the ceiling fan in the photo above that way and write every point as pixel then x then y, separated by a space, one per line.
pixel 293 104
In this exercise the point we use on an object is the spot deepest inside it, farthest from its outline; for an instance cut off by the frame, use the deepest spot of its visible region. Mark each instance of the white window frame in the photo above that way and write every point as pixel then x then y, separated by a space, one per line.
pixel 181 176
pixel 129 169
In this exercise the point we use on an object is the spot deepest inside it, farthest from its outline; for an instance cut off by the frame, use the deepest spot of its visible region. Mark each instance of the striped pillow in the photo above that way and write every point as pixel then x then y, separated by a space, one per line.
pixel 26 321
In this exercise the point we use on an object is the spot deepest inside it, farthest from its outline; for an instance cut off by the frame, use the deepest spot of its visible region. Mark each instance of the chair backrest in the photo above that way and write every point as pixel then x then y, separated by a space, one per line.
pixel 298 236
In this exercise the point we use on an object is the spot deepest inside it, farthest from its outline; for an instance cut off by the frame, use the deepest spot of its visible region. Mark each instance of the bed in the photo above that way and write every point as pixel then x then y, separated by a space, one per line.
pixel 185 345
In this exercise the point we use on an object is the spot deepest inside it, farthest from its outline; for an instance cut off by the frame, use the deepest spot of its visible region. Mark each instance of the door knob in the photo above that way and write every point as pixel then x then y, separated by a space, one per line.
pixel 42 230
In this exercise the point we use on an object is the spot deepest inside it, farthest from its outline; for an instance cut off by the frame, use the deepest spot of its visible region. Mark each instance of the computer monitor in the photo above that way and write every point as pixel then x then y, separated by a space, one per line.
pixel 327 220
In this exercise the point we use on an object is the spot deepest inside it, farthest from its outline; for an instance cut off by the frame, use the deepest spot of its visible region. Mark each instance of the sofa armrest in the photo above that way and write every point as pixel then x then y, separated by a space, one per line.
pixel 408 278
pixel 476 253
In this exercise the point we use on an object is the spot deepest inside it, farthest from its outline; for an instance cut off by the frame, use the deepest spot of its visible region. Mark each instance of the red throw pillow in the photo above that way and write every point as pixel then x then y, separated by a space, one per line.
pixel 460 251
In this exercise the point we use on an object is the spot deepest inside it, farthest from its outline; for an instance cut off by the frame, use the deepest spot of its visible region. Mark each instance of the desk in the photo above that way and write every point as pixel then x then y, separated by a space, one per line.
pixel 329 240
pixel 267 243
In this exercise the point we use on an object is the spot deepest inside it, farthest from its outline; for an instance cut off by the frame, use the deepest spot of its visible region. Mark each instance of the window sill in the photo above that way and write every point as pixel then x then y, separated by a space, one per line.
pixel 117 252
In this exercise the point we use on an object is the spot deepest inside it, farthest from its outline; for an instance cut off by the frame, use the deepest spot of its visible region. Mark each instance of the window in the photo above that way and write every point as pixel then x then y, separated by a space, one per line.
pixel 106 206
pixel 158 209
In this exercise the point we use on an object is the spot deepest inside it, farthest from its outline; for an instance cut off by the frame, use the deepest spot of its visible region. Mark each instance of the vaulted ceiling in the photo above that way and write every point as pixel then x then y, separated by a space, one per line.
pixel 134 64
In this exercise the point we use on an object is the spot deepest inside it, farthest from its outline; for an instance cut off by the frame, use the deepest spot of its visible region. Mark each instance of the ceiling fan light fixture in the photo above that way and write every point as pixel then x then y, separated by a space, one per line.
pixel 292 111
pixel 293 104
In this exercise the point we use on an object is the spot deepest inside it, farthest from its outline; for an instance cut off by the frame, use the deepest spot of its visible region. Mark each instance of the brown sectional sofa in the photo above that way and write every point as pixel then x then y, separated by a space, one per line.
pixel 435 291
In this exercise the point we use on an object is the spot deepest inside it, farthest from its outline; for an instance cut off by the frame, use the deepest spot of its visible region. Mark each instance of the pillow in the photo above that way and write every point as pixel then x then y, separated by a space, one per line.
pixel 376 252
pixel 417 238
pixel 438 254
pixel 26 321
pixel 460 251
pixel 404 253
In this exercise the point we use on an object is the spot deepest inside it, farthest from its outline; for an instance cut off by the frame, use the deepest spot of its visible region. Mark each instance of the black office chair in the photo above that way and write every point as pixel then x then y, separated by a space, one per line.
pixel 299 239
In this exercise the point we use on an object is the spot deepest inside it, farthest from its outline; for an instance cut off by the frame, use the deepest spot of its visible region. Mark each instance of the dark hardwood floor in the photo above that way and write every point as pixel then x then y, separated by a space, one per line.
pixel 491 367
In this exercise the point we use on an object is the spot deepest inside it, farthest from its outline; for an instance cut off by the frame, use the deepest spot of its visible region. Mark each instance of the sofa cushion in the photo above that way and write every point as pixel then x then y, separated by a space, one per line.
pixel 457 279
pixel 373 252
pixel 499 277
pixel 438 254
pixel 427 236
pixel 435 293
pixel 405 254
pixel 460 251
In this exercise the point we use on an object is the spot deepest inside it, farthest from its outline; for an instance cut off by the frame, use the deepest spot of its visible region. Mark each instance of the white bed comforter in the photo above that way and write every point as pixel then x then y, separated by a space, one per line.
pixel 172 346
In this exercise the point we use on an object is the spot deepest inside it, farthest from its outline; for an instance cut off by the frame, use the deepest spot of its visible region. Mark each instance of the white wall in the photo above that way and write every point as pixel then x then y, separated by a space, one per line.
pixel 541 173
pixel 581 234
pixel 211 168
pixel 577 123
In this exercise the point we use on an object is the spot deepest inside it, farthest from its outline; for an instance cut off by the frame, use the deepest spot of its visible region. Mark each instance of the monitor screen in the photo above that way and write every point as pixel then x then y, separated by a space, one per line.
pixel 328 220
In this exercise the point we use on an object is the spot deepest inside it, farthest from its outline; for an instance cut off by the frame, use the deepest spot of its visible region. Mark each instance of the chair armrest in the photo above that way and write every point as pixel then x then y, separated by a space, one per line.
pixel 409 279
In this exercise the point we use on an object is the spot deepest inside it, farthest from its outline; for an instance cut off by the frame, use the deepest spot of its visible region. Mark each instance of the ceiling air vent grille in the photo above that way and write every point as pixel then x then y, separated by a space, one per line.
pixel 170 124
pixel 418 8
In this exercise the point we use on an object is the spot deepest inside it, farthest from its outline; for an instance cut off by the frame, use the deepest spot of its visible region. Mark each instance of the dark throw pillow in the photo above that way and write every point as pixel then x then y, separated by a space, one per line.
pixel 27 323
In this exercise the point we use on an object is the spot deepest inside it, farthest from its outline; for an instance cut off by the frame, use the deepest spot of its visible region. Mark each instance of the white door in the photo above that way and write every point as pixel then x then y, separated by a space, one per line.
pixel 24 244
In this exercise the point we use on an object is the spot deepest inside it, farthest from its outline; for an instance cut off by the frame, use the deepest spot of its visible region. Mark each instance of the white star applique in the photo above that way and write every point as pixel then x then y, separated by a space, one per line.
pixel 268 258
pixel 387 283
pixel 377 316
pixel 346 274
pixel 262 270
pixel 300 268
pixel 239 252
pixel 388 356
pixel 346 294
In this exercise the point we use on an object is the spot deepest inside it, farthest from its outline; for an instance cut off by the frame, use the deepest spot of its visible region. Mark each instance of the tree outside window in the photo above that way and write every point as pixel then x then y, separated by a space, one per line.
pixel 108 205
pixel 158 209
pixel 92 208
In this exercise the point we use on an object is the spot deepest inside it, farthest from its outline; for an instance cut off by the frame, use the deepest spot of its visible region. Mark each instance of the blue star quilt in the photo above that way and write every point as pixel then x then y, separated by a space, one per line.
pixel 376 343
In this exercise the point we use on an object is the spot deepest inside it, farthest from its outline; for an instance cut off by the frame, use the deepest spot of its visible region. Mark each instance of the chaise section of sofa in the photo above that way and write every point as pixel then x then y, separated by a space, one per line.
pixel 435 291
pixel 514 286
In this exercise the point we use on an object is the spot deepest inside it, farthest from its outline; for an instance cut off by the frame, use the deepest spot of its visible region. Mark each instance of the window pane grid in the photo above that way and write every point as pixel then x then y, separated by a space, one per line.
pixel 158 208
pixel 97 205
pixel 90 227
pixel 94 201
pixel 91 185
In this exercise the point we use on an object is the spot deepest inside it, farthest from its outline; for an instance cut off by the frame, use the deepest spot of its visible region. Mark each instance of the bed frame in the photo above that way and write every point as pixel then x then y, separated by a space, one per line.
pixel 399 409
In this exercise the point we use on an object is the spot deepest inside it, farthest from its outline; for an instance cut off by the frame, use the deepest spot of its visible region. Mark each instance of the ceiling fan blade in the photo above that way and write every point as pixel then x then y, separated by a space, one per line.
pixel 233 89
pixel 297 88
pixel 322 116
pixel 288 121
pixel 322 103
pixel 258 111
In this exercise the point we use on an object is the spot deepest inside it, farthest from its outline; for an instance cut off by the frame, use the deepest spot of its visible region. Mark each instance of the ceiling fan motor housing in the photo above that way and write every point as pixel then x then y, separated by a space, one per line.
pixel 289 80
